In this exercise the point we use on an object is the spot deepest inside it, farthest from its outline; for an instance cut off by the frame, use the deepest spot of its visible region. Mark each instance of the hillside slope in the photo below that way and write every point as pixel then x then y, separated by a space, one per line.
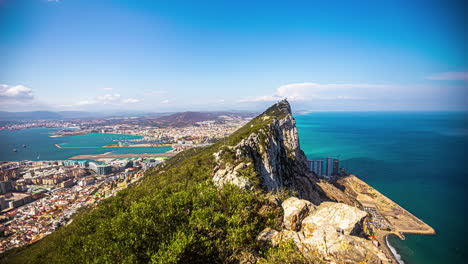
pixel 219 204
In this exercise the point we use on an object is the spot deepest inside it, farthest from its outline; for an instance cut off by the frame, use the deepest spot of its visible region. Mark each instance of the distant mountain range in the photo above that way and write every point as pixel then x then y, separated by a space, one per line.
pixel 172 119
pixel 189 118
pixel 45 115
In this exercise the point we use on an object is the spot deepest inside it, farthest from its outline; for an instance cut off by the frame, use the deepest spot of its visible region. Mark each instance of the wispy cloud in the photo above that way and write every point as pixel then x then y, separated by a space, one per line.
pixel 108 99
pixel 165 101
pixel 309 91
pixel 130 101
pixel 449 76
pixel 86 102
pixel 108 89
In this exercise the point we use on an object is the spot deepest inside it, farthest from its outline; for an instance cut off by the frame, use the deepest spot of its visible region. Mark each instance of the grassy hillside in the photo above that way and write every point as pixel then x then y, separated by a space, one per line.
pixel 176 215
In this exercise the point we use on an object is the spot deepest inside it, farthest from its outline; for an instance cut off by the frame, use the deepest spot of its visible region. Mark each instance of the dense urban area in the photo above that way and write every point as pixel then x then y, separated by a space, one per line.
pixel 37 197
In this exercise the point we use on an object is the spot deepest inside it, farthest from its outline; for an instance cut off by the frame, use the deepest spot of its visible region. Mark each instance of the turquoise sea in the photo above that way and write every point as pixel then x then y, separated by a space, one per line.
pixel 40 146
pixel 417 159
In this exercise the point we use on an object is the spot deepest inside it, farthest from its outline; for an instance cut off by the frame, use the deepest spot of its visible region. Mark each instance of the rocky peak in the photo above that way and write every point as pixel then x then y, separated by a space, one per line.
pixel 269 146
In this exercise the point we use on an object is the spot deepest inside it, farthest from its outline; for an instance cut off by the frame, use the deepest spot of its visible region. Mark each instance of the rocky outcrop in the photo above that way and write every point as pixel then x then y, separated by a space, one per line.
pixel 229 173
pixel 267 235
pixel 295 210
pixel 273 149
pixel 333 246
pixel 325 233
pixel 341 216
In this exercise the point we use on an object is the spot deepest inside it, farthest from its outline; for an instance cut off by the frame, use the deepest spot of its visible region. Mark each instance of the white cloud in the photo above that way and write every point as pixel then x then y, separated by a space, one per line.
pixel 108 98
pixel 86 102
pixel 449 76
pixel 130 101
pixel 310 91
pixel 18 92
pixel 108 89
pixel 165 101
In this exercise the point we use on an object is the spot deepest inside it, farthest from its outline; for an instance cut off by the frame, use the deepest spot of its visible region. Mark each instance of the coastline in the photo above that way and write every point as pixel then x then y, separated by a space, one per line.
pixel 393 252
pixel 386 214
pixel 81 133
pixel 117 146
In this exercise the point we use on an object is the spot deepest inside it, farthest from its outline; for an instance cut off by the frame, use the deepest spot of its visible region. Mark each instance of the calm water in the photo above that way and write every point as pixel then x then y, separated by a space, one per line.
pixel 416 159
pixel 39 144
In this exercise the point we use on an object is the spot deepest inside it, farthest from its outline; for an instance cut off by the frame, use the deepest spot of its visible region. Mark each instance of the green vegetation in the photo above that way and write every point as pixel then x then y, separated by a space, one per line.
pixel 176 215
pixel 284 253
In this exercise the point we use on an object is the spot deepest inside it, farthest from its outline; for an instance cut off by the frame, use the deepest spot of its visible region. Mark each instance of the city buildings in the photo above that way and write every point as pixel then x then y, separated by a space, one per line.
pixel 48 204
pixel 319 167
pixel 336 167
pixel 327 169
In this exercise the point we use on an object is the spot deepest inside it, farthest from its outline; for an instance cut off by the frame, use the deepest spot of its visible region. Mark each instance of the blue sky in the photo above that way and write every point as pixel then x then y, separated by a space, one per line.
pixel 223 55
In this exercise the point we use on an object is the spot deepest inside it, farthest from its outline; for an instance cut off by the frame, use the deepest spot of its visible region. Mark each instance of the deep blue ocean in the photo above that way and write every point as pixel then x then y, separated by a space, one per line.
pixel 40 146
pixel 417 159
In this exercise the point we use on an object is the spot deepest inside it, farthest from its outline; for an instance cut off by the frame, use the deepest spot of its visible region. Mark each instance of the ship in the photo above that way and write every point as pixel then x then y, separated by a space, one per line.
pixel 14 150
pixel 24 145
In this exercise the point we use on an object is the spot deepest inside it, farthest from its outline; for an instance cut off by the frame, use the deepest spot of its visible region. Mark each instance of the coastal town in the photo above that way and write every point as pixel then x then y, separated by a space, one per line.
pixel 39 197
pixel 187 133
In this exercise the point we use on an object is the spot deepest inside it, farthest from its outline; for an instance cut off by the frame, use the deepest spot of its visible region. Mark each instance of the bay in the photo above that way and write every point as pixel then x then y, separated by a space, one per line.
pixel 40 146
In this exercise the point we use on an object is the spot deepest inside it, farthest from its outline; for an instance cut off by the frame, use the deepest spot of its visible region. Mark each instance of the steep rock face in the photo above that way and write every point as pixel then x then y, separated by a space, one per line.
pixel 273 149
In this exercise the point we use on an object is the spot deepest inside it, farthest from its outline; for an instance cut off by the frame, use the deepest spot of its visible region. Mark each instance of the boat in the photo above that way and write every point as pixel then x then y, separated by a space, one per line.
pixel 24 145
pixel 14 150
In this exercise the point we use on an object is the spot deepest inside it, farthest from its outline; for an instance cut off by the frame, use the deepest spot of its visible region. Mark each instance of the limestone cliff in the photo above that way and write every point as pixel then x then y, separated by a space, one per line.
pixel 272 149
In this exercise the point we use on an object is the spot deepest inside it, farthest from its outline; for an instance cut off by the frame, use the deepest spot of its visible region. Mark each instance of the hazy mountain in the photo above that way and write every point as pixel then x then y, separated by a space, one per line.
pixel 189 118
